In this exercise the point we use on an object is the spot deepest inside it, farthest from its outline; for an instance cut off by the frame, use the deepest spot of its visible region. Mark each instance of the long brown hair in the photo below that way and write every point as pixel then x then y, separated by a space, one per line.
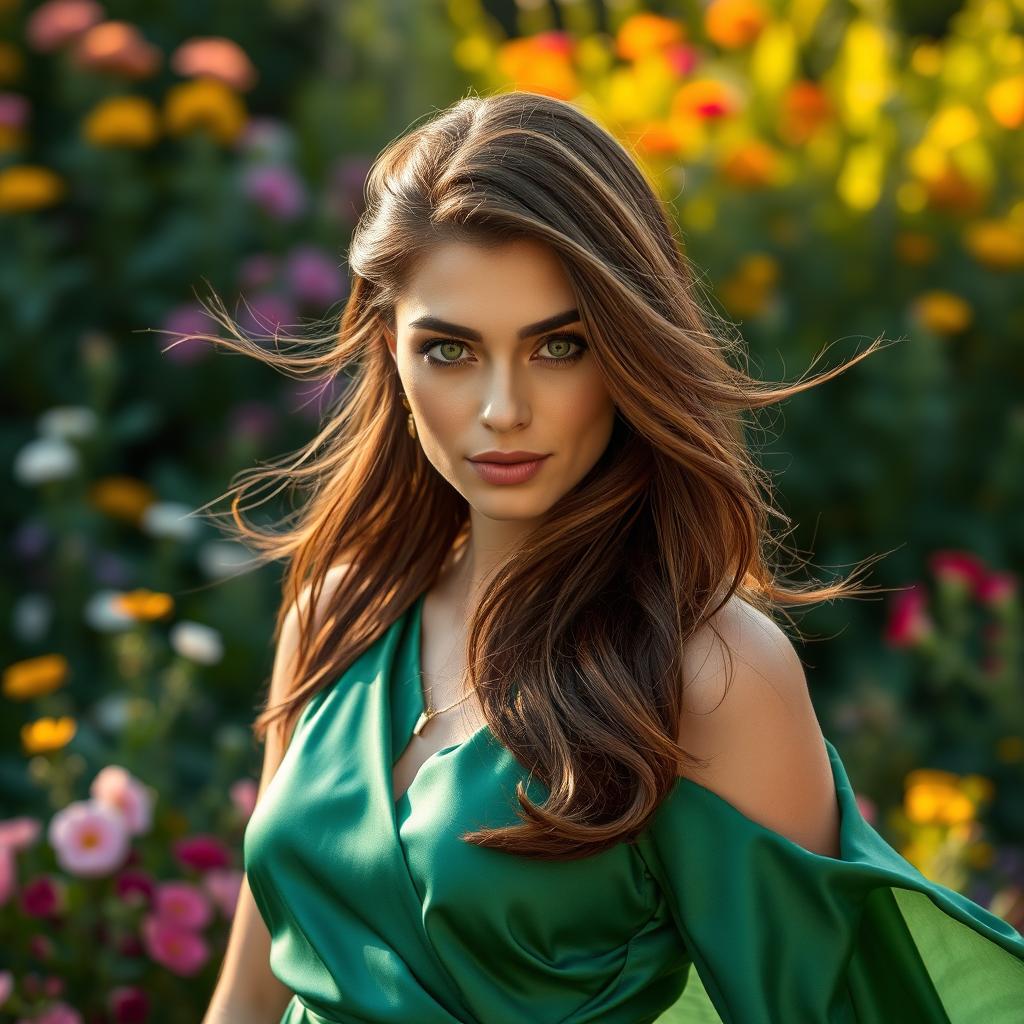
pixel 576 646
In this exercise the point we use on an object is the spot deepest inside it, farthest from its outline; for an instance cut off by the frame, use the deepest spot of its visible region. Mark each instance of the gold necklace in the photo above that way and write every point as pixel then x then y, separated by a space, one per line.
pixel 429 713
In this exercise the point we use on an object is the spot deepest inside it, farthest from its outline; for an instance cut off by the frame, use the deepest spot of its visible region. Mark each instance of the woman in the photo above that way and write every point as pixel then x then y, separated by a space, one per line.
pixel 537 746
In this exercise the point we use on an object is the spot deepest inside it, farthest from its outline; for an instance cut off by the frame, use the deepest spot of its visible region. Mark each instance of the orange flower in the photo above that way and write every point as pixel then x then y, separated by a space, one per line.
pixel 752 164
pixel 130 121
pixel 644 33
pixel 1005 101
pixel 35 677
pixel 144 605
pixel 654 137
pixel 805 107
pixel 943 312
pixel 122 497
pixel 539 64
pixel 951 190
pixel 997 244
pixel 734 23
pixel 118 48
pixel 45 735
pixel 216 57
pixel 25 187
pixel 704 98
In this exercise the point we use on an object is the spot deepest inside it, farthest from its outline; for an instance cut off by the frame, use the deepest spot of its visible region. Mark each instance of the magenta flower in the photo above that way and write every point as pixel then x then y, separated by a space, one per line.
pixel 276 189
pixel 8 874
pixel 43 896
pixel 178 949
pixel 267 314
pixel 182 904
pixel 129 1005
pixel 909 622
pixel 123 792
pixel 223 886
pixel 131 883
pixel 243 796
pixel 314 277
pixel 57 22
pixel 13 110
pixel 190 319
pixel 89 838
pixel 998 587
pixel 959 566
pixel 202 853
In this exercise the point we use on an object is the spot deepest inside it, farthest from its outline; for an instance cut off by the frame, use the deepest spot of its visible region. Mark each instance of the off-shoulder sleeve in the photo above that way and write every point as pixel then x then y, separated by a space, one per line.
pixel 779 934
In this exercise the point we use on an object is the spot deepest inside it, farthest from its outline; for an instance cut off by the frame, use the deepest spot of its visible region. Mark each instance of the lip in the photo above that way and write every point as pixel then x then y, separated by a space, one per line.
pixel 504 458
pixel 509 472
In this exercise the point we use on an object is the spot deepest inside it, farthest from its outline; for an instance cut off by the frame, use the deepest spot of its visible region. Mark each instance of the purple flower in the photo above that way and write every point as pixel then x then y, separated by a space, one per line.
pixel 30 539
pixel 13 110
pixel 188 318
pixel 276 189
pixel 267 313
pixel 313 275
pixel 257 271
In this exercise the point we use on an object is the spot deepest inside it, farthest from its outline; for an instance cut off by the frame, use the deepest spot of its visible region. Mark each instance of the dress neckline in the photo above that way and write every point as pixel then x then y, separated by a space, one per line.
pixel 414 620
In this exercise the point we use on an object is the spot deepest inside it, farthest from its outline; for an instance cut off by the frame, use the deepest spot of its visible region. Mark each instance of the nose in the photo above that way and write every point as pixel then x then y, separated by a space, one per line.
pixel 504 404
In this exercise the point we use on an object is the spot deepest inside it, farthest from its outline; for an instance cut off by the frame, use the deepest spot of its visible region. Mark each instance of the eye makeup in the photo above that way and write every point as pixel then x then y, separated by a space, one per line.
pixel 557 361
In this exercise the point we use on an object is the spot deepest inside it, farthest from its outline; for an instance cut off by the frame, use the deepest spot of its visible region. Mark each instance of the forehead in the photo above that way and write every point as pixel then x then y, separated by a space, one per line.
pixel 508 284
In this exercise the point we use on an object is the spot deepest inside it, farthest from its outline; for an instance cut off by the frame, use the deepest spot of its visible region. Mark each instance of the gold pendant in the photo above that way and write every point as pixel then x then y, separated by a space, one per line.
pixel 421 722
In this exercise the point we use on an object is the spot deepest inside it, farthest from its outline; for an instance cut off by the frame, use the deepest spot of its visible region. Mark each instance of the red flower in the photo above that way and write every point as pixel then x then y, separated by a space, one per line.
pixel 909 622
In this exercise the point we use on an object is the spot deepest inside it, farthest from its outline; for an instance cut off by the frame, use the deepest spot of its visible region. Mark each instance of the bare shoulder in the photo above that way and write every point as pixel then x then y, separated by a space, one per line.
pixel 747 707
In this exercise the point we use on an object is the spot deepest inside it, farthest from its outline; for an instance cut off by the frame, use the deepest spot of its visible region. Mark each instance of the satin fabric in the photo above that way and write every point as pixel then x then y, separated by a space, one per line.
pixel 379 914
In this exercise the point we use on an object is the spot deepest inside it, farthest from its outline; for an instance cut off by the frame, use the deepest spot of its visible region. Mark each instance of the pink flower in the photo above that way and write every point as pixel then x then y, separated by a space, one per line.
pixel 682 57
pixel 959 566
pixel 129 1005
pixel 267 314
pixel 189 319
pixel 6 986
pixel 868 808
pixel 117 48
pixel 216 57
pixel 202 853
pixel 182 904
pixel 133 885
pixel 997 587
pixel 13 110
pixel 223 886
pixel 178 949
pixel 276 189
pixel 313 275
pixel 58 1013
pixel 43 896
pixel 89 838
pixel 553 41
pixel 243 796
pixel 55 23
pixel 118 789
pixel 8 874
pixel 909 622
pixel 19 833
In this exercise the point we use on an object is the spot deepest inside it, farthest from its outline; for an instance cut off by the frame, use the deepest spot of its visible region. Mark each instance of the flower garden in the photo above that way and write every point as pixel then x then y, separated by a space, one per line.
pixel 837 173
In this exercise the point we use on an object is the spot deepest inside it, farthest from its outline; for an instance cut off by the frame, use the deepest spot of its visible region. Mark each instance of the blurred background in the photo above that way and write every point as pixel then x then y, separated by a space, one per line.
pixel 839 169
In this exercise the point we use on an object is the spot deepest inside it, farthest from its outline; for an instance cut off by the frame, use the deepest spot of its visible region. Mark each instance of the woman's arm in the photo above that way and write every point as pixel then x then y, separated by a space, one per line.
pixel 247 992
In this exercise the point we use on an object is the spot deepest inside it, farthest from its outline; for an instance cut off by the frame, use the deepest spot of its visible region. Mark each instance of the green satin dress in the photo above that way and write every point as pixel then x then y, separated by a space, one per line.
pixel 379 914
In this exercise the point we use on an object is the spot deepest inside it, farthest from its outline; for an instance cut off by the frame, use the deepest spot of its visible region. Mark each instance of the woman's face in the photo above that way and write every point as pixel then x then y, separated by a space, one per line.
pixel 492 357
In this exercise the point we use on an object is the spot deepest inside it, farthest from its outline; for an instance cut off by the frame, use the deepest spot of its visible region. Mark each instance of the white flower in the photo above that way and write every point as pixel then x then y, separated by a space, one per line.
pixel 222 558
pixel 68 422
pixel 31 617
pixel 103 614
pixel 196 642
pixel 111 712
pixel 45 459
pixel 169 519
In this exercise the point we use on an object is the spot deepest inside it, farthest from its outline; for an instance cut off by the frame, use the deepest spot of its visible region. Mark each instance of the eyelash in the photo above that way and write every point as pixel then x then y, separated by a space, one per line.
pixel 430 343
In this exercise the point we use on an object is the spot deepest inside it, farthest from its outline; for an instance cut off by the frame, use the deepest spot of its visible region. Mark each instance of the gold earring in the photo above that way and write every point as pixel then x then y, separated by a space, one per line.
pixel 410 423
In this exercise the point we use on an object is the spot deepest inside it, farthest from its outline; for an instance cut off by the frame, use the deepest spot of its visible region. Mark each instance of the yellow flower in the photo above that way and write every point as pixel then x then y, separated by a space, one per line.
pixel 35 677
pixel 915 248
pixel 941 803
pixel 943 312
pixel 1005 101
pixel 997 244
pixel 123 121
pixel 144 605
pixel 122 497
pixel 752 164
pixel 644 33
pixel 47 734
pixel 747 291
pixel 734 23
pixel 29 187
pixel 205 104
pixel 540 63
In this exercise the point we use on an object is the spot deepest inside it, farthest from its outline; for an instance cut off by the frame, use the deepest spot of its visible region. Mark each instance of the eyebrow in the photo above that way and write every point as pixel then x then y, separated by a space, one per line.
pixel 434 323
